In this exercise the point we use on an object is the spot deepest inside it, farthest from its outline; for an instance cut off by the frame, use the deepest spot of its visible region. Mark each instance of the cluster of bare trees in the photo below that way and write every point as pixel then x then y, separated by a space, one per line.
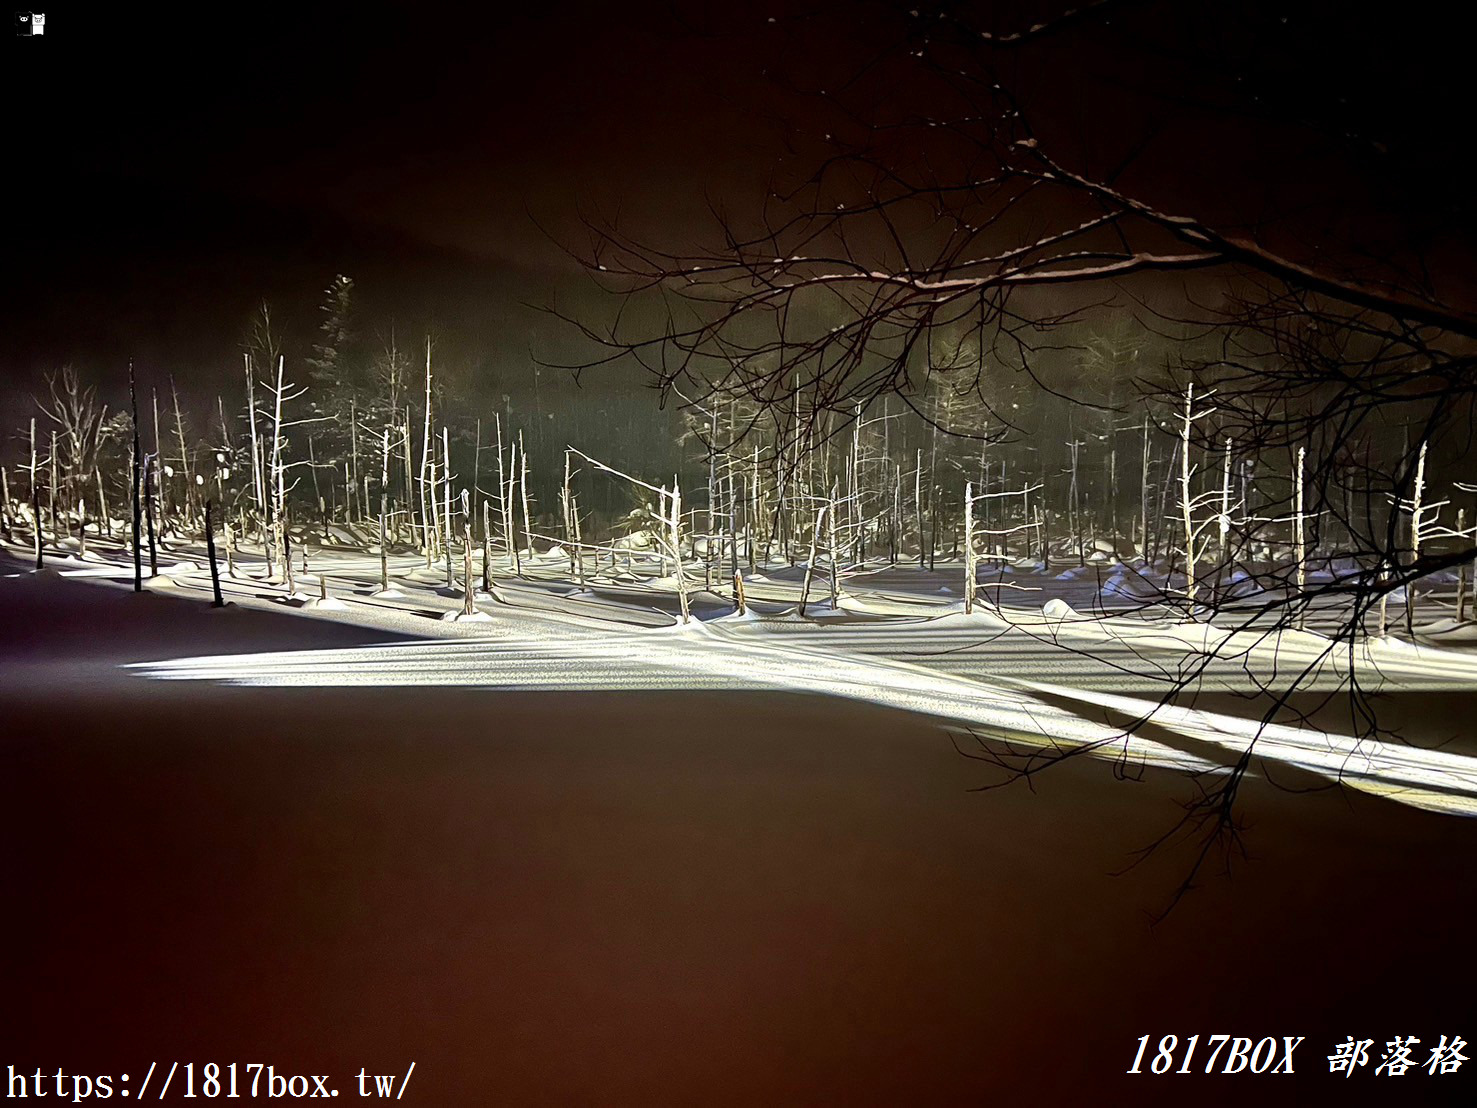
pixel 1175 480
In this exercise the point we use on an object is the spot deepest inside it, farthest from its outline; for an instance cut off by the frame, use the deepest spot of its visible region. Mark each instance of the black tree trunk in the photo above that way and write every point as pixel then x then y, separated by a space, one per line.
pixel 215 576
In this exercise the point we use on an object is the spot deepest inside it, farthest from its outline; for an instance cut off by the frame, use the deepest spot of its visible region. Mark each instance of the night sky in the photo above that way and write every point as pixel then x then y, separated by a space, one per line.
pixel 171 167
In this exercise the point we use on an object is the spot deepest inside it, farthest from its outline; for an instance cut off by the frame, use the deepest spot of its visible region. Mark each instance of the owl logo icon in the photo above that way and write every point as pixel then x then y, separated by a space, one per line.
pixel 30 24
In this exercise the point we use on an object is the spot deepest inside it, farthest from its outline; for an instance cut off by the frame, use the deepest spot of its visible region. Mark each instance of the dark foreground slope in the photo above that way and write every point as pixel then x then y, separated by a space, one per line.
pixel 637 899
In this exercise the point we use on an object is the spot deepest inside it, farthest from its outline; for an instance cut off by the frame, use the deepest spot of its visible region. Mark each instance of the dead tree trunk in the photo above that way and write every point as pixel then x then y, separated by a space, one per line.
pixel 35 499
pixel 468 607
pixel 1384 627
pixel 5 503
pixel 384 511
pixel 568 513
pixel 1462 571
pixel 428 493
pixel 523 484
pixel 279 481
pixel 258 480
pixel 163 492
pixel 969 582
pixel 102 502
pixel 230 546
pixel 918 507
pixel 1144 494
pixel 504 490
pixel 831 549
pixel 56 535
pixel 138 569
pixel 179 428
pixel 150 463
pixel 579 546
pixel 446 494
pixel 815 542
pixel 1299 546
pixel 676 541
pixel 1416 529
pixel 353 500
pixel 215 576
pixel 754 510
pixel 1186 499
pixel 487 547
pixel 409 475
pixel 1074 505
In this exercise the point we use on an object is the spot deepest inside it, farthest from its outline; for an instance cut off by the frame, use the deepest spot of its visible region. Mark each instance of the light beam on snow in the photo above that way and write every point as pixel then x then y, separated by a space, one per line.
pixel 700 659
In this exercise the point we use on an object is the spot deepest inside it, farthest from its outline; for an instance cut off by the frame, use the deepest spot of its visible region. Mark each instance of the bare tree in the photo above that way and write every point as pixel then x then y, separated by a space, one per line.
pixel 956 221
pixel 79 421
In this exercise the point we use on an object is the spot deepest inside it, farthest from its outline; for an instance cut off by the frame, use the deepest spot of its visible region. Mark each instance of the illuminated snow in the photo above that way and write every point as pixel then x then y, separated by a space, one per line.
pixel 1010 674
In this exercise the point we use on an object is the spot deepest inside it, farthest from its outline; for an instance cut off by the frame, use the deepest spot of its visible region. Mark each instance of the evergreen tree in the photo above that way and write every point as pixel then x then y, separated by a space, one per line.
pixel 328 364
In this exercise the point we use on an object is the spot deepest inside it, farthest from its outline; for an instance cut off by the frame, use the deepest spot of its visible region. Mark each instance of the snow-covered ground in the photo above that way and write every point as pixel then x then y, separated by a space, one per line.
pixel 1033 671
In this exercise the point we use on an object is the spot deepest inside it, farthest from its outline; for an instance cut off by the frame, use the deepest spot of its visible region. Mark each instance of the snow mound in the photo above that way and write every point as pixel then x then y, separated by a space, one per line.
pixel 980 617
pixel 748 615
pixel 1057 608
pixel 326 604
pixel 466 617
pixel 1376 645
pixel 1448 630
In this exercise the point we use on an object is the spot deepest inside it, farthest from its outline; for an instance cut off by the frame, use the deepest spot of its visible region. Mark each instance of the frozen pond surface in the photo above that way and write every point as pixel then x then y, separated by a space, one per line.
pixel 628 897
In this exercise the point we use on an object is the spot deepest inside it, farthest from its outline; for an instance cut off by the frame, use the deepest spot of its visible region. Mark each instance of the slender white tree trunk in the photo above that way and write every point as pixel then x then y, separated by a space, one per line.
pixel 279 484
pixel 1417 526
pixel 35 499
pixel 487 547
pixel 1384 601
pixel 566 511
pixel 409 475
pixel 579 545
pixel 527 522
pixel 969 583
pixel 503 490
pixel 831 549
pixel 467 591
pixel 918 507
pixel 1144 494
pixel 1185 497
pixel 1461 587
pixel 184 453
pixel 446 492
pixel 815 542
pixel 102 501
pixel 676 541
pixel 428 492
pixel 384 511
pixel 1300 552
